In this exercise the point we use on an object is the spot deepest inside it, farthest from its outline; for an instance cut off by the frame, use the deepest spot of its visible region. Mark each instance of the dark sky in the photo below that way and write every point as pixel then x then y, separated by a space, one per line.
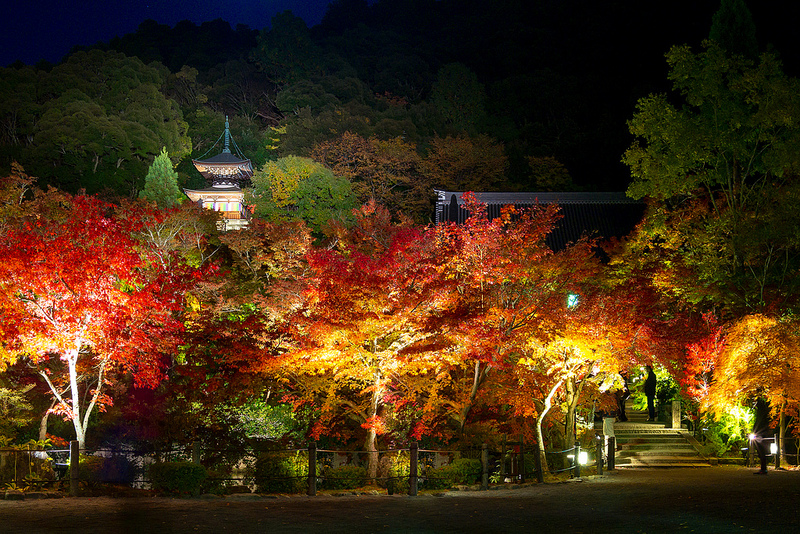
pixel 48 29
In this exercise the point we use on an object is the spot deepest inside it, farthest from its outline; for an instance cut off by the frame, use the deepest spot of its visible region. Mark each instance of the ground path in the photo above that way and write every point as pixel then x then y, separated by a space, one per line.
pixel 706 500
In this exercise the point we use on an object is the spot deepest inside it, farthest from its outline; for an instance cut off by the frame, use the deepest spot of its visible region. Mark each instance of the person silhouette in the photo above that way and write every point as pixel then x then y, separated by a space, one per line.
pixel 650 392
pixel 622 395
pixel 761 431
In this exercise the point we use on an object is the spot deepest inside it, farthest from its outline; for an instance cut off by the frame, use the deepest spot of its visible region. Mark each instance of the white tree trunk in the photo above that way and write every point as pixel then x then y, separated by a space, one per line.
pixel 372 435
pixel 548 403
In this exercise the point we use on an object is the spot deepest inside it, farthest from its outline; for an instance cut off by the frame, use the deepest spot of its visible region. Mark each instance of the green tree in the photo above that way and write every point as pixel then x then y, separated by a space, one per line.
pixel 733 28
pixel 459 97
pixel 286 52
pixel 161 183
pixel 91 123
pixel 723 171
pixel 549 174
pixel 465 163
pixel 15 410
pixel 294 188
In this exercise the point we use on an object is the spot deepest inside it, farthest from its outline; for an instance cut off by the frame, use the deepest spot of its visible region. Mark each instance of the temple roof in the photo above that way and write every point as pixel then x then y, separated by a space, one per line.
pixel 226 168
pixel 604 215
pixel 216 192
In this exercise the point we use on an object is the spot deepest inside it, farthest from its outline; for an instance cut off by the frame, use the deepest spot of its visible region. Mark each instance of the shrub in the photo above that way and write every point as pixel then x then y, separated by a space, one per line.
pixel 105 470
pixel 344 477
pixel 177 477
pixel 89 469
pixel 117 470
pixel 281 472
pixel 16 465
pixel 395 469
pixel 460 471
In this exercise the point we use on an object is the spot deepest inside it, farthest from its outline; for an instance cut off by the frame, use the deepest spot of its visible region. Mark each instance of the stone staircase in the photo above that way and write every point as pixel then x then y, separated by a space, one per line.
pixel 641 443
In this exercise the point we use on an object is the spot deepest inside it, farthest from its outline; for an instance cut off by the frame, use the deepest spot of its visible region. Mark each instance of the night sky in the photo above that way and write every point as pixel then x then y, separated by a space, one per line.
pixel 48 29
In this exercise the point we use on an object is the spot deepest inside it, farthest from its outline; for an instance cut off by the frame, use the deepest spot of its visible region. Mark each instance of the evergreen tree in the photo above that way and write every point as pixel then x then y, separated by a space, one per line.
pixel 161 183
pixel 733 29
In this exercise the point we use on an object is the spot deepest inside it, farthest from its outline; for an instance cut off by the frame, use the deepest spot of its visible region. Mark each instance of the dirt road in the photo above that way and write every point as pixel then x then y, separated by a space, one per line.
pixel 707 500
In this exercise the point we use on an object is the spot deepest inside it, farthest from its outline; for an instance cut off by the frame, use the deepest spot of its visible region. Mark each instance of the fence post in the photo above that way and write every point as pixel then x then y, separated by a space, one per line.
pixel 312 468
pixel 777 451
pixel 196 452
pixel 74 468
pixel 577 461
pixel 503 459
pixel 485 467
pixel 676 413
pixel 612 453
pixel 599 454
pixel 521 459
pixel 413 474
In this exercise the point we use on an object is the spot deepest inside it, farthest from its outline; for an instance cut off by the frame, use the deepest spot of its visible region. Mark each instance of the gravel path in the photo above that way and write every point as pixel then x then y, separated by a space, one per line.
pixel 707 500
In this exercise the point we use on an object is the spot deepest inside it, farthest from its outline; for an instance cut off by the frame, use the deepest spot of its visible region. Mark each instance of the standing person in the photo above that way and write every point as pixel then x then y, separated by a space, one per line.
pixel 621 396
pixel 761 431
pixel 650 391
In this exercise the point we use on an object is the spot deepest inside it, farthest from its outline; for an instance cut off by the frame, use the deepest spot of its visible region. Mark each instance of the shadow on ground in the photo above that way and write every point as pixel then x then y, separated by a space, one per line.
pixel 707 500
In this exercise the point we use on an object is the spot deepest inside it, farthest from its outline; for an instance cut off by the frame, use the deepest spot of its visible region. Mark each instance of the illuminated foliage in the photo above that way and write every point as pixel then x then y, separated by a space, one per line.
pixel 502 290
pixel 464 163
pixel 722 171
pixel 293 188
pixel 161 183
pixel 759 356
pixel 360 330
pixel 233 331
pixel 384 171
pixel 81 298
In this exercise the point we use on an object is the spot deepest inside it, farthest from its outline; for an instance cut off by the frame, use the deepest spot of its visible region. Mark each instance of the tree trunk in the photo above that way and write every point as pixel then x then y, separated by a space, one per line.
pixel 78 422
pixel 372 435
pixel 571 401
pixel 80 431
pixel 478 376
pixel 548 403
pixel 782 431
pixel 43 422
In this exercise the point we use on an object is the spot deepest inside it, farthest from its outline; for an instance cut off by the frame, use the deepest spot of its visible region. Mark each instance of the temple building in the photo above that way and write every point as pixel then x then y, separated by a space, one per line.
pixel 226 174
pixel 600 215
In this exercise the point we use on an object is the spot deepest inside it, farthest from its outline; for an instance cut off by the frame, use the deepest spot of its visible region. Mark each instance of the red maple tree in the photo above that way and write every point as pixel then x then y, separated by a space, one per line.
pixel 83 296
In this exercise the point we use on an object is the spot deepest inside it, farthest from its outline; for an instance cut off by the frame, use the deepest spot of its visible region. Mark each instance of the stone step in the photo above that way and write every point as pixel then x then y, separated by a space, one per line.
pixel 657 448
pixel 677 453
pixel 629 428
pixel 661 437
pixel 652 441
pixel 672 446
pixel 627 463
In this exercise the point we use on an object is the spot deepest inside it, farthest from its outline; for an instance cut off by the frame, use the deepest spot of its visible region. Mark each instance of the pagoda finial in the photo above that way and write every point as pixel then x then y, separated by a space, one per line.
pixel 227 147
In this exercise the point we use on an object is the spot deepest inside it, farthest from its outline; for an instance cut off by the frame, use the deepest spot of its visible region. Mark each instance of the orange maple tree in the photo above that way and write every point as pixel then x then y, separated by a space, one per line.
pixel 499 289
pixel 359 332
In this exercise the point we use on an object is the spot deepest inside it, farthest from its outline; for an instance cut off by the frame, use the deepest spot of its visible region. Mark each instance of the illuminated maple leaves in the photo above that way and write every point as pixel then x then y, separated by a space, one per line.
pixel 78 288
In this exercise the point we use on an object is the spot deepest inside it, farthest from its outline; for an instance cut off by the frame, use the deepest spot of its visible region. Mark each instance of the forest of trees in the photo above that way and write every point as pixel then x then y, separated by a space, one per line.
pixel 530 84
pixel 340 314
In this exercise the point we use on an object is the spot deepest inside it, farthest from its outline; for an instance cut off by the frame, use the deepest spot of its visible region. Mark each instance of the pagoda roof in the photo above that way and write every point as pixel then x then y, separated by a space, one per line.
pixel 223 158
pixel 226 168
pixel 215 192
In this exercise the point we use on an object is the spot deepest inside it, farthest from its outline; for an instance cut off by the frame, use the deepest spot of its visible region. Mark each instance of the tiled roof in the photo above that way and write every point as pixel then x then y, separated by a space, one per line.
pixel 225 158
pixel 603 215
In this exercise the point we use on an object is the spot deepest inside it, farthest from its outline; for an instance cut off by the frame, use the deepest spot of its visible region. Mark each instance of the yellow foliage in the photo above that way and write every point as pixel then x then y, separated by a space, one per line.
pixel 760 353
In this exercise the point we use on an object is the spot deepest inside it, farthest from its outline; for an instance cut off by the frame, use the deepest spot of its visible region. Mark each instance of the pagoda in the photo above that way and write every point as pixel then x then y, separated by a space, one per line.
pixel 226 174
